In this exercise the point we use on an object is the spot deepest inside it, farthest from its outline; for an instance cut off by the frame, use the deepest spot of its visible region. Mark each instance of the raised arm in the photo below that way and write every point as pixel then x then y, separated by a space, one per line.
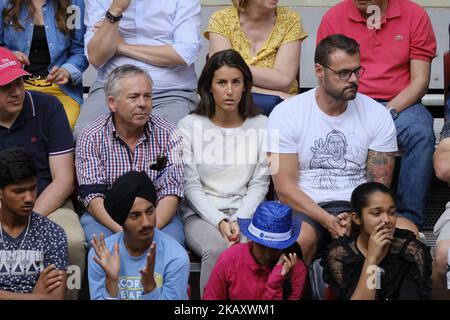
pixel 176 279
pixel 378 247
pixel 380 167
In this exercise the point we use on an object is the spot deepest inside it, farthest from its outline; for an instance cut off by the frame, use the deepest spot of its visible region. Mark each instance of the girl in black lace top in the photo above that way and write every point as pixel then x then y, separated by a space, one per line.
pixel 378 262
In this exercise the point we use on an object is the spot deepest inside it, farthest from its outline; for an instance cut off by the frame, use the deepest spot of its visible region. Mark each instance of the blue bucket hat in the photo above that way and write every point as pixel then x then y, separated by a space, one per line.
pixel 272 225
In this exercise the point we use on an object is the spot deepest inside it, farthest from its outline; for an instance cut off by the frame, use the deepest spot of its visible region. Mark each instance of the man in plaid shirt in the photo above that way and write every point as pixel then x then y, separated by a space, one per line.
pixel 129 138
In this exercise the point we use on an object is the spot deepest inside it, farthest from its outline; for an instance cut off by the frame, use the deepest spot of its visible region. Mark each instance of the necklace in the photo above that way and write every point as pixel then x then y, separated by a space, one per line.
pixel 24 237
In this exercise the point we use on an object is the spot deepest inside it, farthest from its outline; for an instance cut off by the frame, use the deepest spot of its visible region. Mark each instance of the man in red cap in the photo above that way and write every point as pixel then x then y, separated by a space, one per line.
pixel 37 123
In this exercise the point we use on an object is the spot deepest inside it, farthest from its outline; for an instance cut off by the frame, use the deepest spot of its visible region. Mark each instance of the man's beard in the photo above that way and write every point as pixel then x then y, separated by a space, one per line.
pixel 342 95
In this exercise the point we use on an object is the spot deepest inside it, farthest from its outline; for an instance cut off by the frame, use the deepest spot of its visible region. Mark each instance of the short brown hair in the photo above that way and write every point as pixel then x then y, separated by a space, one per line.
pixel 330 44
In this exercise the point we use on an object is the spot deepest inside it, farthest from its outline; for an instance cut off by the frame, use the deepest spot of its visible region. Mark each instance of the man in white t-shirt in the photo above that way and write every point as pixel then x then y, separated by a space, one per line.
pixel 327 141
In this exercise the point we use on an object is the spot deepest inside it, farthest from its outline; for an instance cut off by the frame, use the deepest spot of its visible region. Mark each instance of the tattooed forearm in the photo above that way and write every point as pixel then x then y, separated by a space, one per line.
pixel 380 167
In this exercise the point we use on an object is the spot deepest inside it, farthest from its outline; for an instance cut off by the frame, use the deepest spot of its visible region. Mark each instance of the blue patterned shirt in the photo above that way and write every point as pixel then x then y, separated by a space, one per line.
pixel 23 258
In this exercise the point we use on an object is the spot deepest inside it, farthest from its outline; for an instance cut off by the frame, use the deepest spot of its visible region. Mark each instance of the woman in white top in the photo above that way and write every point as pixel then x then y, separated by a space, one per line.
pixel 226 171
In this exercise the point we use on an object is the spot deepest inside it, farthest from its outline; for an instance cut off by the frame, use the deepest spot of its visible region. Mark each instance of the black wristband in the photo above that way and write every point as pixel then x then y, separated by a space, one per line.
pixel 112 18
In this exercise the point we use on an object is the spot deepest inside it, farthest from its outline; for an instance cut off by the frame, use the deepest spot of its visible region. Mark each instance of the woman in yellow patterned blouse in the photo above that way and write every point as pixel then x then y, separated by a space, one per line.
pixel 269 39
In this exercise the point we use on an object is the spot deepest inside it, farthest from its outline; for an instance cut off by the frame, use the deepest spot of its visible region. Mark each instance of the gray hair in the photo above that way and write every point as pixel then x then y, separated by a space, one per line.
pixel 112 85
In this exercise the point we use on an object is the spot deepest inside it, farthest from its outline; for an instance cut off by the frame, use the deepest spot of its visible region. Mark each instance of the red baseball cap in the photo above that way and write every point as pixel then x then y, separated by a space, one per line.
pixel 10 67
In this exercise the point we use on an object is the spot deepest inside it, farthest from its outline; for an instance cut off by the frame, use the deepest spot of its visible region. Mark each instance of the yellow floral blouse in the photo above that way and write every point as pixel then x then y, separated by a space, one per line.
pixel 288 27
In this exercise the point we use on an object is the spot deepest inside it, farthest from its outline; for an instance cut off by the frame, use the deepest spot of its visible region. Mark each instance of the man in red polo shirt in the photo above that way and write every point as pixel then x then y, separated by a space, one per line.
pixel 397 46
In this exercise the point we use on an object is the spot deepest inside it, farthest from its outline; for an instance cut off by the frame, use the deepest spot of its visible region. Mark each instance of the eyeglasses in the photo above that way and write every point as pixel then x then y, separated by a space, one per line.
pixel 346 74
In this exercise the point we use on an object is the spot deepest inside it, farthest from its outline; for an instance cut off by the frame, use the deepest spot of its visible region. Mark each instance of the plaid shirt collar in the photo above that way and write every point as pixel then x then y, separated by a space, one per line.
pixel 111 129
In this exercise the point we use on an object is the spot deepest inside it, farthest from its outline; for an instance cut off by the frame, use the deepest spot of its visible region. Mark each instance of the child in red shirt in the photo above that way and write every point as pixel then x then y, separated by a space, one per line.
pixel 266 268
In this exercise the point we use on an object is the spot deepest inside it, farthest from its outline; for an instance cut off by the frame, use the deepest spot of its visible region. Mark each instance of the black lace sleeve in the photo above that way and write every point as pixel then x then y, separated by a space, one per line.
pixel 341 267
pixel 421 267
pixel 415 257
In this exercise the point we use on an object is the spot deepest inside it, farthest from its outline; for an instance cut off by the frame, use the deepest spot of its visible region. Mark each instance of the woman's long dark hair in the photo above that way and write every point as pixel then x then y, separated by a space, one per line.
pixel 12 12
pixel 232 59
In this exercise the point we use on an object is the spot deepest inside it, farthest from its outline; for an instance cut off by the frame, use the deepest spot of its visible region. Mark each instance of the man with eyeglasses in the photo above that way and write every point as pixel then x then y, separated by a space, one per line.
pixel 397 46
pixel 325 142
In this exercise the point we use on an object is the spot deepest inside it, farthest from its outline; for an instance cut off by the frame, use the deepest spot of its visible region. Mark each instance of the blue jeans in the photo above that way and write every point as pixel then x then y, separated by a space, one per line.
pixel 416 139
pixel 91 226
pixel 266 102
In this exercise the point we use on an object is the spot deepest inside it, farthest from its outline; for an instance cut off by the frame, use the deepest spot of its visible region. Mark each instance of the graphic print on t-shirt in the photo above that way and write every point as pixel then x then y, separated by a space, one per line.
pixel 21 262
pixel 337 169
pixel 130 287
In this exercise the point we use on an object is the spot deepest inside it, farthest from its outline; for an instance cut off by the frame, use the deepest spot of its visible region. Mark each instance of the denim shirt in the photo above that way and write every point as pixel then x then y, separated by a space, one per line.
pixel 66 51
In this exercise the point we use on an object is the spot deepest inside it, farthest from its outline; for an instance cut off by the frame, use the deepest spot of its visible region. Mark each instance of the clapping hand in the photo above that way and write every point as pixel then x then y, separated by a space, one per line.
pixel 110 262
pixel 147 274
